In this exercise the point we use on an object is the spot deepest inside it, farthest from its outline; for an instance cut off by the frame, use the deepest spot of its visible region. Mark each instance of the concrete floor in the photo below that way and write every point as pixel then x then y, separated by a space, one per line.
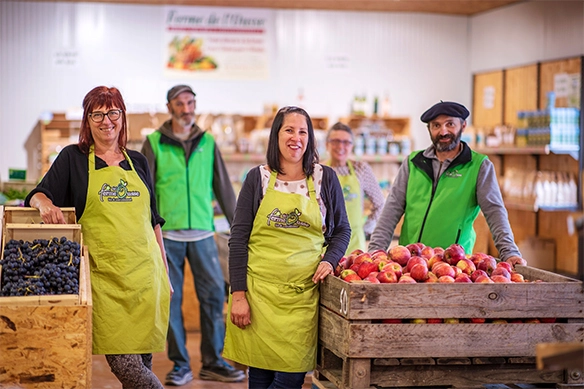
pixel 102 378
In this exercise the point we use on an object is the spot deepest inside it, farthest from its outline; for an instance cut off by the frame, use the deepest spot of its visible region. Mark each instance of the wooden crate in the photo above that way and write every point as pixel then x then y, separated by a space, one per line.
pixel 45 341
pixel 357 350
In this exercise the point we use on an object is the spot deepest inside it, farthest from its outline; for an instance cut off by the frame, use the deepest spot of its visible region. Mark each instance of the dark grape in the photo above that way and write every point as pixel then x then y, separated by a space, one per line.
pixel 43 266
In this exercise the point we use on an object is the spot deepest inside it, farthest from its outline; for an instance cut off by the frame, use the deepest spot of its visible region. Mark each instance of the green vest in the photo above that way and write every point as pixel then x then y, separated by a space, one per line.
pixel 184 189
pixel 447 215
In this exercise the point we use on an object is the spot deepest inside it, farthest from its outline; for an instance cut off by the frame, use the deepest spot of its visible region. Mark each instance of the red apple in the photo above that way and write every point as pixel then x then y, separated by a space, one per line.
pixel 395 267
pixel 427 252
pixel 477 257
pixel 516 277
pixel 414 261
pixel 478 273
pixel 463 278
pixel 363 257
pixel 454 253
pixel 406 279
pixel 438 250
pixel 435 258
pixel 501 271
pixel 381 254
pixel 444 270
pixel 483 280
pixel 457 271
pixel 372 278
pixel 431 278
pixel 419 272
pixel 366 268
pixel 392 321
pixel 506 265
pixel 346 272
pixel 415 248
pixel 532 320
pixel 477 320
pixel 387 277
pixel 499 279
pixel 487 264
pixel 380 263
pixel 351 257
pixel 434 321
pixel 352 278
pixel 466 266
pixel 355 267
pixel 548 319
pixel 400 254
pixel 445 280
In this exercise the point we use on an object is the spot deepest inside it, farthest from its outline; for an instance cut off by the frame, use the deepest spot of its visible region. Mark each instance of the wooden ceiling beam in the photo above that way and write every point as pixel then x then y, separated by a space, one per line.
pixel 450 7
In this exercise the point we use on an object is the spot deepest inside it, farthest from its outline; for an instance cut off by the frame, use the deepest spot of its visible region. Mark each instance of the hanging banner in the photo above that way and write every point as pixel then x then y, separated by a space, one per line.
pixel 217 43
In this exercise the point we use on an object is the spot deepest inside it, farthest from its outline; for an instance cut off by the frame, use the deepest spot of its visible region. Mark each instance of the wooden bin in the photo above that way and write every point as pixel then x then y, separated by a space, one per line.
pixel 357 350
pixel 45 341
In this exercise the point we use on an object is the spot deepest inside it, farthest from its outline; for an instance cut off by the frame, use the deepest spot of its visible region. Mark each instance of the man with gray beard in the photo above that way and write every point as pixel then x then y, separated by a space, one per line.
pixel 440 191
pixel 188 171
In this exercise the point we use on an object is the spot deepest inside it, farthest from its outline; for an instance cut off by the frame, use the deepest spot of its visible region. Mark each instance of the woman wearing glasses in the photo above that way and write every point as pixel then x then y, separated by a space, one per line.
pixel 289 232
pixel 111 190
pixel 357 180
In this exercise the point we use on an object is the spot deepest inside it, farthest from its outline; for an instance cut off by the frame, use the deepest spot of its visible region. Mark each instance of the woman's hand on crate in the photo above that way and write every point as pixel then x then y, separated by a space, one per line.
pixel 48 211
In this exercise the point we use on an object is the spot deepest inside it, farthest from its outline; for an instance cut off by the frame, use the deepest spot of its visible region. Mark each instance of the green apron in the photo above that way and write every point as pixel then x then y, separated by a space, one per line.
pixel 354 205
pixel 129 284
pixel 284 249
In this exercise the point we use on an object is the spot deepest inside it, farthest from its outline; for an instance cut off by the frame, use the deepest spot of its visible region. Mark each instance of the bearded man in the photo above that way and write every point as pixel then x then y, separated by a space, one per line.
pixel 440 191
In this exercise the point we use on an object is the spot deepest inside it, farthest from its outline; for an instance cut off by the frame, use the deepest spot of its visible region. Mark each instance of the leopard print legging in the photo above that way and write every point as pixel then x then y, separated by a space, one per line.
pixel 134 371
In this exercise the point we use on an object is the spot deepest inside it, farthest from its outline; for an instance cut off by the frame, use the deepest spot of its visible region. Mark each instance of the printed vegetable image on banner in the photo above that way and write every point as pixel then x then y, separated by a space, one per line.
pixel 217 43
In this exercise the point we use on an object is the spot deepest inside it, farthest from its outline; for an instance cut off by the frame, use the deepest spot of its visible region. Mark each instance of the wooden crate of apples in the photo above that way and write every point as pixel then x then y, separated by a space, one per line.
pixel 423 316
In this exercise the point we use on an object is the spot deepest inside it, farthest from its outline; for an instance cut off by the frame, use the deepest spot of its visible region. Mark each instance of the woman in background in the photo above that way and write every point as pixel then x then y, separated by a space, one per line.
pixel 357 180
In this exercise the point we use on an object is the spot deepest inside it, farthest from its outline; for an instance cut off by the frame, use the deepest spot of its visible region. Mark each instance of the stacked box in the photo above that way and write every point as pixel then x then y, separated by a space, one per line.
pixel 357 349
pixel 45 341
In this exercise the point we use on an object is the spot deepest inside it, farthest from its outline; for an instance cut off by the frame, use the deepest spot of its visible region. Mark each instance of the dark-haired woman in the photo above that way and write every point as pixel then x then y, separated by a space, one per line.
pixel 110 188
pixel 289 231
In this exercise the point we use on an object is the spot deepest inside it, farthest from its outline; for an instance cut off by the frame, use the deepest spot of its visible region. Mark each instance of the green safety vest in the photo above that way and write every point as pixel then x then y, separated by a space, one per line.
pixel 445 215
pixel 184 189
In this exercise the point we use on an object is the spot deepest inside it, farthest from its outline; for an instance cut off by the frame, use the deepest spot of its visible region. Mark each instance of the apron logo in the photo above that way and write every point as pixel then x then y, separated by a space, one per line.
pixel 286 220
pixel 453 174
pixel 348 194
pixel 118 193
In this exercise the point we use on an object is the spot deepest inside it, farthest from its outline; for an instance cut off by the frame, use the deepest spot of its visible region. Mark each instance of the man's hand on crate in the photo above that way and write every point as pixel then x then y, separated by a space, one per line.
pixel 515 260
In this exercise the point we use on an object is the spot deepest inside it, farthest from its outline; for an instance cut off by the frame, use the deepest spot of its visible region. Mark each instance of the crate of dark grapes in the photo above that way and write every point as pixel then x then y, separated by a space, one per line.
pixel 45 307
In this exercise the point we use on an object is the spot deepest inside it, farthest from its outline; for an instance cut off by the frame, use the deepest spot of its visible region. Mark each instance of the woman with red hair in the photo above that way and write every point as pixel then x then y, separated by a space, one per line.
pixel 111 190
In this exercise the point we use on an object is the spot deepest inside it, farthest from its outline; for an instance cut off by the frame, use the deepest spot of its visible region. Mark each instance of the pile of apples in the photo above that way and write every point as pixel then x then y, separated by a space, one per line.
pixel 418 263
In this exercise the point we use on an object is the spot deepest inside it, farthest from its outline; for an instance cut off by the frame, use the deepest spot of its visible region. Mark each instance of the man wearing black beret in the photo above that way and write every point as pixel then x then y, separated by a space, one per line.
pixel 440 191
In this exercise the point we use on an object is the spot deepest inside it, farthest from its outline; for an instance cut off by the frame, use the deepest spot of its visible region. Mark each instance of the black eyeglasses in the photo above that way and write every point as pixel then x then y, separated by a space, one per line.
pixel 337 142
pixel 98 117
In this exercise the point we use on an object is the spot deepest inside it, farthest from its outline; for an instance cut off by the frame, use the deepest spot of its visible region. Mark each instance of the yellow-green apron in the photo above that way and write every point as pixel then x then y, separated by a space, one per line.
pixel 129 284
pixel 354 205
pixel 284 249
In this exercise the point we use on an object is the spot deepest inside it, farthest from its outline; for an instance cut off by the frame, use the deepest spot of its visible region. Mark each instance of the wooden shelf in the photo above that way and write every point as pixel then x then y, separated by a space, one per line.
pixel 260 158
pixel 535 208
pixel 538 150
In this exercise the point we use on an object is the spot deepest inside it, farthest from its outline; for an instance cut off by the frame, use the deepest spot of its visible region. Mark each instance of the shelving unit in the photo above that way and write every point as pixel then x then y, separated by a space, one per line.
pixel 525 88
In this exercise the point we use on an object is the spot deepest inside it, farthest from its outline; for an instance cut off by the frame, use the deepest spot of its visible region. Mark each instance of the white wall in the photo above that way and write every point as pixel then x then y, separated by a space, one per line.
pixel 417 58
pixel 407 55
pixel 526 33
